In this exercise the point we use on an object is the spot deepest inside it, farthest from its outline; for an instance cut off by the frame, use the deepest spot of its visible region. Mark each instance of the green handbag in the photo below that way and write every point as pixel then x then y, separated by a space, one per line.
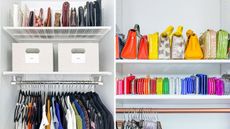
pixel 166 86
pixel 222 44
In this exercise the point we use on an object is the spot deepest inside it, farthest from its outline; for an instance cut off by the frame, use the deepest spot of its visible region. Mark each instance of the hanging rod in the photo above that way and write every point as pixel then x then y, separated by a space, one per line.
pixel 56 82
pixel 173 110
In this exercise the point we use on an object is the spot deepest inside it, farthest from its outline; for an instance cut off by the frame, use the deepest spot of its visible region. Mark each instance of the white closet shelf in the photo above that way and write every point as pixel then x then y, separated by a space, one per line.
pixel 58 73
pixel 172 97
pixel 58 34
pixel 171 61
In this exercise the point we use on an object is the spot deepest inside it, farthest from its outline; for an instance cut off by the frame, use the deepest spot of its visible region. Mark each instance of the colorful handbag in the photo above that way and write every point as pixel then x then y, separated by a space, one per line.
pixel 219 87
pixel 222 44
pixel 165 86
pixel 128 84
pixel 193 49
pixel 120 87
pixel 208 44
pixel 153 40
pixel 159 86
pixel 164 45
pixel 143 50
pixel 153 86
pixel 178 44
pixel 130 49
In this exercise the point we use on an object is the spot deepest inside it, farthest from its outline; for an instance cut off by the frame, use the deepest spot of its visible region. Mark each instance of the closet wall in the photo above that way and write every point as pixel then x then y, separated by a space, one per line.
pixel 8 93
pixel 155 16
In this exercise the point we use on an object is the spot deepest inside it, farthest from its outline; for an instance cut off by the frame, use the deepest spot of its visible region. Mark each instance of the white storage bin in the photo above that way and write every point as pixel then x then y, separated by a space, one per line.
pixel 32 57
pixel 79 57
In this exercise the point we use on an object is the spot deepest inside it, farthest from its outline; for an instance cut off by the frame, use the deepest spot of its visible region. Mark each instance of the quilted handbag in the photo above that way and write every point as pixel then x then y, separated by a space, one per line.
pixel 164 45
pixel 193 49
pixel 208 44
pixel 153 40
pixel 222 44
pixel 159 86
pixel 178 44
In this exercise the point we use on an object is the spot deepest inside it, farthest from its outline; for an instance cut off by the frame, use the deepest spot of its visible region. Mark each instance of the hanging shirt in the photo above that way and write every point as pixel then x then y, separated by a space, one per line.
pixel 78 117
pixel 81 112
pixel 69 119
pixel 55 120
pixel 72 113
pixel 44 121
pixel 48 114
pixel 58 115
pixel 52 119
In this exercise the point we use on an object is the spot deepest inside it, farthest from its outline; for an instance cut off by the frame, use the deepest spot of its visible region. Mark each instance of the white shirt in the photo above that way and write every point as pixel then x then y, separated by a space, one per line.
pixel 44 121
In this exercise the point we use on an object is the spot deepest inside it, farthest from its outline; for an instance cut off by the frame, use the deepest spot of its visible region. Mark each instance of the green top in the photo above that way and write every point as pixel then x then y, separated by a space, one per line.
pixel 78 118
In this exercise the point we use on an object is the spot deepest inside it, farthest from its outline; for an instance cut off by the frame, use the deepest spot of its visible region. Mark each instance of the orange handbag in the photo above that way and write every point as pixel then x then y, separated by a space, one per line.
pixel 130 49
pixel 143 52
pixel 193 49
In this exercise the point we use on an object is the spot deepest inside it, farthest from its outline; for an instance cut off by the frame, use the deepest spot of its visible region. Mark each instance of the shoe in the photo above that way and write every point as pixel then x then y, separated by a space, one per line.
pixel 65 14
pixel 97 13
pixel 57 22
pixel 73 17
pixel 91 11
pixel 130 48
pixel 48 19
pixel 31 19
pixel 87 14
pixel 81 19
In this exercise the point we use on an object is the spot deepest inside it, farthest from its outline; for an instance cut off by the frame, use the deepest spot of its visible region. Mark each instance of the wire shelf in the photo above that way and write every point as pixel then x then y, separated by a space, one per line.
pixel 58 34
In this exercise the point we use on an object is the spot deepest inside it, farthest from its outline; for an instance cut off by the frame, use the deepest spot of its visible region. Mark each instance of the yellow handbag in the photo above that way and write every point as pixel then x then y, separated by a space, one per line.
pixel 193 49
pixel 153 40
pixel 159 86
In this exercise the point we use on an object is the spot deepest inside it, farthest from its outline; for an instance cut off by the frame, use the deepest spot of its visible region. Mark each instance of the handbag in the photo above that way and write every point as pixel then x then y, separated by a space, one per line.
pixel 143 48
pixel 219 87
pixel 193 49
pixel 178 44
pixel 153 86
pixel 128 84
pixel 208 44
pixel 159 86
pixel 164 45
pixel 130 49
pixel 153 40
pixel 166 86
pixel 222 44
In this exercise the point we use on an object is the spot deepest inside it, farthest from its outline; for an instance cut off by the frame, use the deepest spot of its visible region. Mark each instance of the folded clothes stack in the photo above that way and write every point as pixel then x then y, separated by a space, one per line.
pixel 199 84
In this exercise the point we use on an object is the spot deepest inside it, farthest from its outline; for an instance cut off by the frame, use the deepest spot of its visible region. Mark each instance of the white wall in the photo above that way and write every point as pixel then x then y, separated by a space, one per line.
pixel 156 15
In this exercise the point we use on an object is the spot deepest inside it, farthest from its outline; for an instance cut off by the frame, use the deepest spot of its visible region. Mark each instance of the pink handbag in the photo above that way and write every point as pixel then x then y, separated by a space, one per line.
pixel 120 87
pixel 219 87
pixel 211 86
